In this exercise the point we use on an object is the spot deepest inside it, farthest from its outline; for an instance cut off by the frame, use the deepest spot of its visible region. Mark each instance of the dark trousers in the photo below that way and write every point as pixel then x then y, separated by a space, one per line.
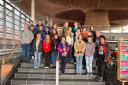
pixel 63 61
pixel 26 52
pixel 101 65
pixel 47 56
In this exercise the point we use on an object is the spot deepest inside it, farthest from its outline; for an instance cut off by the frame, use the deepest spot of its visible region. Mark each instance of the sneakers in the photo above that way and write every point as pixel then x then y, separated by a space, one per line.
pixel 36 67
pixel 100 79
pixel 46 67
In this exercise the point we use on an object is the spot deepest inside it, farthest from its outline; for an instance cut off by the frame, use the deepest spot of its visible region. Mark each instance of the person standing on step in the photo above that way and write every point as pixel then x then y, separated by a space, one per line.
pixel 79 47
pixel 84 34
pixel 103 57
pixel 69 40
pixel 37 48
pixel 63 49
pixel 26 39
pixel 89 53
pixel 65 28
pixel 93 33
pixel 47 51
pixel 55 41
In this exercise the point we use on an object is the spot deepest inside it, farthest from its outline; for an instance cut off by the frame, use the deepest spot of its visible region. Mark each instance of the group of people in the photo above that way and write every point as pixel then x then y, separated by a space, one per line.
pixel 74 45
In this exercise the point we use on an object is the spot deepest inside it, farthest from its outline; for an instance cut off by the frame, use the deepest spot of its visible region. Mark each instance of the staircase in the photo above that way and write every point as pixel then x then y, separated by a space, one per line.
pixel 27 75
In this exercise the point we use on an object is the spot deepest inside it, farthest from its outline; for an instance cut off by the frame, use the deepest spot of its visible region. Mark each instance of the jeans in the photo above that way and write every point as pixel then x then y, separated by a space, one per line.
pixel 47 56
pixel 63 60
pixel 26 52
pixel 37 59
pixel 101 65
pixel 54 56
pixel 70 54
pixel 89 61
pixel 79 60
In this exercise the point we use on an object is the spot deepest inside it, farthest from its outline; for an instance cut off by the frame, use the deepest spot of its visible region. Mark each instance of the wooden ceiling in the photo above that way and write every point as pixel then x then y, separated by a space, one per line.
pixel 75 10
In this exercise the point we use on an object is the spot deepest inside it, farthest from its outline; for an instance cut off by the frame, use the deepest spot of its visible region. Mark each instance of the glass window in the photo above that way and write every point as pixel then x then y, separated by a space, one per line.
pixel 16 17
pixel 17 12
pixel 1 8
pixel 8 18
pixel 105 31
pixel 8 6
pixel 125 29
pixel 1 2
pixel 22 16
pixel 1 22
pixel 8 12
pixel 22 20
pixel 27 19
pixel 1 15
pixel 17 27
pixel 116 30
pixel 17 22
pixel 8 24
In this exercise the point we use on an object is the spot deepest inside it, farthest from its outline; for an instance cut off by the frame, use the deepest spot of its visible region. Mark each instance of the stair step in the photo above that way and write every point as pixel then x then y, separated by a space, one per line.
pixel 52 76
pixel 42 65
pixel 51 82
pixel 51 70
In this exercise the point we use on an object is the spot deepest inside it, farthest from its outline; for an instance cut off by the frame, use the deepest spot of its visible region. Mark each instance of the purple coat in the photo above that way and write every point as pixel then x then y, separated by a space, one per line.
pixel 60 48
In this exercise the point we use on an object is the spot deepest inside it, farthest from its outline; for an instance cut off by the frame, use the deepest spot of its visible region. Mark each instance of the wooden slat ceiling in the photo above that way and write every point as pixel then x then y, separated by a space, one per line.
pixel 75 10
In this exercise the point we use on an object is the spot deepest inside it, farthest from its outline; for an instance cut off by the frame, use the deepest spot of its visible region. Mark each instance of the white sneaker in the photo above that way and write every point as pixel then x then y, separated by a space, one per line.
pixel 46 67
pixel 32 57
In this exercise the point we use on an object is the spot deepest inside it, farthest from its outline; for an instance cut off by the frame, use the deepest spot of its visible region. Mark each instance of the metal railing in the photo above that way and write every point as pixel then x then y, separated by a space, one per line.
pixel 57 69
pixel 9 62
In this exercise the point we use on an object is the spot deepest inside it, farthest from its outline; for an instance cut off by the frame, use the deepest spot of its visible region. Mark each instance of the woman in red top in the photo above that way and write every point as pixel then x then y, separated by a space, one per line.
pixel 47 51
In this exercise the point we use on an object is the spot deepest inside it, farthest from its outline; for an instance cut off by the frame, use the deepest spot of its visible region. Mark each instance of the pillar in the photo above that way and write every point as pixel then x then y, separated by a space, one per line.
pixel 33 10
pixel 98 19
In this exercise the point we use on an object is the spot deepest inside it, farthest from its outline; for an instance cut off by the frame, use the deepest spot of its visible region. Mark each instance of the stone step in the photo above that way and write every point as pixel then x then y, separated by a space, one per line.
pixel 52 76
pixel 42 65
pixel 52 82
pixel 50 70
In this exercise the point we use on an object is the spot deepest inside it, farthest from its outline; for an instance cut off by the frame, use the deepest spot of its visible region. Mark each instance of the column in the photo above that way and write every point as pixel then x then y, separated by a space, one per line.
pixel 98 19
pixel 33 10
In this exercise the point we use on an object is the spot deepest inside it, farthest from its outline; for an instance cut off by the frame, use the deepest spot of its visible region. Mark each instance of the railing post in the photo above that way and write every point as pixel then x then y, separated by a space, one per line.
pixel 57 70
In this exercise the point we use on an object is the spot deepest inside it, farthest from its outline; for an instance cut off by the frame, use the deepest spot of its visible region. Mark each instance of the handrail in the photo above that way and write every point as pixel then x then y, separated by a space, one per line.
pixel 57 69
pixel 11 53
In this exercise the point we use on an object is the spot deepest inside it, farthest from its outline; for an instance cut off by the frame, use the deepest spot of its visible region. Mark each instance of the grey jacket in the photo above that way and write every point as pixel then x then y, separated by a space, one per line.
pixel 27 37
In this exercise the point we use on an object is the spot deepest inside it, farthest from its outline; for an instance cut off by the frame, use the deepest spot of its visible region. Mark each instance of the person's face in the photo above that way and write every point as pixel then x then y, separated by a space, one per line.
pixel 47 29
pixel 25 26
pixel 63 39
pixel 78 30
pixel 66 24
pixel 84 29
pixel 32 28
pixel 91 28
pixel 40 22
pixel 80 37
pixel 40 27
pixel 56 37
pixel 39 36
pixel 102 40
pixel 54 31
pixel 31 23
pixel 47 37
pixel 89 39
pixel 75 24
pixel 54 26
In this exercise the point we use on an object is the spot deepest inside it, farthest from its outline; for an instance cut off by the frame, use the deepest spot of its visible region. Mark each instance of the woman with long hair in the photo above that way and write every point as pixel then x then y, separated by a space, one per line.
pixel 47 51
pixel 37 48
pixel 70 41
